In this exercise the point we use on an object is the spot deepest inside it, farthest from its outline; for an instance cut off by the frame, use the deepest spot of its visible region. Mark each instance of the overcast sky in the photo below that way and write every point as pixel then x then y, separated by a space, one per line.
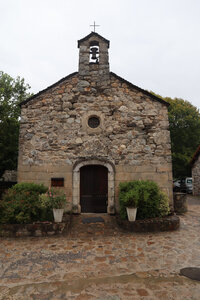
pixel 155 44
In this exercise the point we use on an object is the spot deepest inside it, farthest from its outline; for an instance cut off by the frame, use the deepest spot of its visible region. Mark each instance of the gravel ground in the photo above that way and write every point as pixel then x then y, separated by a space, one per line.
pixel 101 262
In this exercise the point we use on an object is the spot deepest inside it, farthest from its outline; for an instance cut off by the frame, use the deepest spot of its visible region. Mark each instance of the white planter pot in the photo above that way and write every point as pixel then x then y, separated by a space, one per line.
pixel 131 212
pixel 58 214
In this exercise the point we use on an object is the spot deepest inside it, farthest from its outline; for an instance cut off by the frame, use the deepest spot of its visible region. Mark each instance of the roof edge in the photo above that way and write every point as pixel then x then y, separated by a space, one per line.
pixel 140 89
pixel 195 156
pixel 93 34
pixel 48 88
pixel 113 74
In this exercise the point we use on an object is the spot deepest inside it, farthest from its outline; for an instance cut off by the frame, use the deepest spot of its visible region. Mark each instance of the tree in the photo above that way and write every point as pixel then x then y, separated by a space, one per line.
pixel 184 125
pixel 184 120
pixel 12 92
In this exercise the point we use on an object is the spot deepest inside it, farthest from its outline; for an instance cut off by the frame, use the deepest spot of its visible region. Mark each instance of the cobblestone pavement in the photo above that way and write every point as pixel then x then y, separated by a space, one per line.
pixel 103 264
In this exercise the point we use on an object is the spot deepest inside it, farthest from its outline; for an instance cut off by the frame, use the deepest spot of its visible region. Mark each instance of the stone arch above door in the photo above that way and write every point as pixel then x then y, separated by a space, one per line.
pixel 76 184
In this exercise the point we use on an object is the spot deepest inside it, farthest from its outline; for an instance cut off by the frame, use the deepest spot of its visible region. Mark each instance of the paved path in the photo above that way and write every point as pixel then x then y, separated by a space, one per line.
pixel 103 264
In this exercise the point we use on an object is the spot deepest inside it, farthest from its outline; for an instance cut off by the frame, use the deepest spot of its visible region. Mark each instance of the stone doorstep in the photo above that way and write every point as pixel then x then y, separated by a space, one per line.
pixel 95 224
pixel 89 220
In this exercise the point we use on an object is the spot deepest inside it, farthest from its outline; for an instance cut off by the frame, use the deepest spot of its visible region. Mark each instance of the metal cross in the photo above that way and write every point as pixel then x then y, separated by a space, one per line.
pixel 94 25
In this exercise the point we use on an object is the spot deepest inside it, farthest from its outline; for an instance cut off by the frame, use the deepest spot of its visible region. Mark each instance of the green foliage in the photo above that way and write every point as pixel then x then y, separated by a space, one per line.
pixel 131 198
pixel 30 187
pixel 152 202
pixel 21 204
pixel 12 92
pixel 184 121
pixel 9 132
pixel 184 125
pixel 54 198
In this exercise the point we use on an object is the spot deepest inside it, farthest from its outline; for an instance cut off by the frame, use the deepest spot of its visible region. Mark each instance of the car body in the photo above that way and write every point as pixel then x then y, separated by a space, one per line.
pixel 176 183
pixel 186 185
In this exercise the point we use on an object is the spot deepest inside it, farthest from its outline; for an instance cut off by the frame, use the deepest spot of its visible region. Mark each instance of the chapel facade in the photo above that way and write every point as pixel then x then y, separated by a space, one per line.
pixel 92 130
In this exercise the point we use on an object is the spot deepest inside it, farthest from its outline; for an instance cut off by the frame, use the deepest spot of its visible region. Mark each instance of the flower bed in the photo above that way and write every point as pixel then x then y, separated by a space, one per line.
pixel 36 229
pixel 168 223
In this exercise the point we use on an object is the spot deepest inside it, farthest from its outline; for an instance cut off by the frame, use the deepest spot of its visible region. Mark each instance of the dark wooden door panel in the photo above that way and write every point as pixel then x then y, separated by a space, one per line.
pixel 93 188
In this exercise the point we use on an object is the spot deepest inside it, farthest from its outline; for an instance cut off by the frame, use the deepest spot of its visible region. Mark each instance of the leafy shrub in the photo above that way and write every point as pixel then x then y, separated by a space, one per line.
pixel 30 187
pixel 152 202
pixel 21 204
pixel 131 198
pixel 53 198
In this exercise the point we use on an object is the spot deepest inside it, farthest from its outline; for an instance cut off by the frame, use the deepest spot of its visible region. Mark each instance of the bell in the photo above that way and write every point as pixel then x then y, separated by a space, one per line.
pixel 94 52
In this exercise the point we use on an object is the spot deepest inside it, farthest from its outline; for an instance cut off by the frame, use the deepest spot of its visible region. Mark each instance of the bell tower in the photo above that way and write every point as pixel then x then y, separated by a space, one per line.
pixel 93 59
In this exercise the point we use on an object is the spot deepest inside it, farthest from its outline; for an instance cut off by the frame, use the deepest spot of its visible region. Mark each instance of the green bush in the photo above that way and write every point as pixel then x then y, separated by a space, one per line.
pixel 21 204
pixel 53 198
pixel 152 202
pixel 131 198
pixel 30 187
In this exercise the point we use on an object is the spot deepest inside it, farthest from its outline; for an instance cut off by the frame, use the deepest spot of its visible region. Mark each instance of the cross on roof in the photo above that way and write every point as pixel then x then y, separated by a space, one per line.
pixel 94 25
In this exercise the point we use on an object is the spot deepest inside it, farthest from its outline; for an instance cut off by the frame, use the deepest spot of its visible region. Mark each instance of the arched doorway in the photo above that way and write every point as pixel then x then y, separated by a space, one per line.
pixel 76 206
pixel 93 188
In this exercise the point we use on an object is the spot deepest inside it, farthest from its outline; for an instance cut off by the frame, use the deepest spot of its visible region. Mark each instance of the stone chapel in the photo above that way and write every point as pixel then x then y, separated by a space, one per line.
pixel 92 130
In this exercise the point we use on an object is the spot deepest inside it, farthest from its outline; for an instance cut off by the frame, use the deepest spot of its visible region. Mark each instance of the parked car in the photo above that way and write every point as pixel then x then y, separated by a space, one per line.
pixel 176 185
pixel 186 185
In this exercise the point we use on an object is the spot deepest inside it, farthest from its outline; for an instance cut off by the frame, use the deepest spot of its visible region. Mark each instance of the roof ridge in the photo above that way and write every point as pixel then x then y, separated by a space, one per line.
pixel 195 156
pixel 91 34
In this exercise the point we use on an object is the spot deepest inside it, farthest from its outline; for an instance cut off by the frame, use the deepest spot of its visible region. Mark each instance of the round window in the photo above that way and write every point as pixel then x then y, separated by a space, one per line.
pixel 93 122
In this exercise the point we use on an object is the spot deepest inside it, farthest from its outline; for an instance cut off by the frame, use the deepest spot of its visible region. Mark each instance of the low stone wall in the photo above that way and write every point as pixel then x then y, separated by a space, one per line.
pixel 180 203
pixel 36 229
pixel 168 223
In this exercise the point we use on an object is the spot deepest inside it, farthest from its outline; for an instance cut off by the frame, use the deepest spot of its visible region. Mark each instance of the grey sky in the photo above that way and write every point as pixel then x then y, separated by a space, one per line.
pixel 154 44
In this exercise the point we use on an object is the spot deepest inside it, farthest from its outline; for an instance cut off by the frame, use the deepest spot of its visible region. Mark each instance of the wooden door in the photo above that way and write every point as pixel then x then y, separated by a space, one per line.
pixel 94 188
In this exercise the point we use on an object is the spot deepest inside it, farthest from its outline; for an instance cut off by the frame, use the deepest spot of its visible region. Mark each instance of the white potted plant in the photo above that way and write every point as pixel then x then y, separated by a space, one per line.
pixel 57 200
pixel 131 203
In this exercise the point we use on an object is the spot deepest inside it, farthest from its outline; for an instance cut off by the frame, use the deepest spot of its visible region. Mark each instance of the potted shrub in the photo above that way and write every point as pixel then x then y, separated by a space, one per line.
pixel 56 200
pixel 152 201
pixel 131 201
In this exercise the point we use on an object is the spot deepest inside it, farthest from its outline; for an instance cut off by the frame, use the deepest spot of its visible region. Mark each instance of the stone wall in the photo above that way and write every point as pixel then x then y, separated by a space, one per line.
pixel 37 229
pixel 10 175
pixel 133 134
pixel 97 74
pixel 132 139
pixel 196 177
pixel 167 223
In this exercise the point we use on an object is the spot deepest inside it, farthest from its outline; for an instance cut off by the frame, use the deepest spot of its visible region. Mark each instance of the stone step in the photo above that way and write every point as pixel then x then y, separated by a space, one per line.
pixel 93 225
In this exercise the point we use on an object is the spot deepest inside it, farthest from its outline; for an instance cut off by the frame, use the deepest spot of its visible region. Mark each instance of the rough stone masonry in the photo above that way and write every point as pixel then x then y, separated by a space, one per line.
pixel 196 173
pixel 131 139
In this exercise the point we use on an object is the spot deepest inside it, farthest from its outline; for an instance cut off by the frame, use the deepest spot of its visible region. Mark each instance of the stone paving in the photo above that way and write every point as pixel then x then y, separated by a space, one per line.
pixel 101 262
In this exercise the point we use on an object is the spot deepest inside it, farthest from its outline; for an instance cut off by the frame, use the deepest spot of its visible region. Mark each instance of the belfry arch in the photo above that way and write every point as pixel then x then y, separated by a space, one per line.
pixel 76 207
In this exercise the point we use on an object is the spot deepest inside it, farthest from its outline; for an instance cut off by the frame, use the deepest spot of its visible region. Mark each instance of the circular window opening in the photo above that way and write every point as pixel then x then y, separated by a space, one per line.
pixel 93 122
